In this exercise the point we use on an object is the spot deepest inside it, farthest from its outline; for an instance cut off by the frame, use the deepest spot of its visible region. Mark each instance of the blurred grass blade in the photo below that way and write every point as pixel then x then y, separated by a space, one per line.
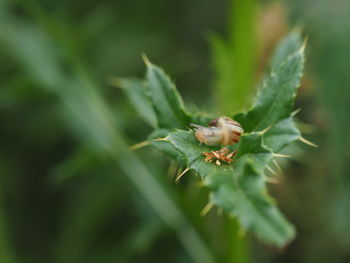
pixel 34 51
pixel 234 59
pixel 6 251
pixel 84 216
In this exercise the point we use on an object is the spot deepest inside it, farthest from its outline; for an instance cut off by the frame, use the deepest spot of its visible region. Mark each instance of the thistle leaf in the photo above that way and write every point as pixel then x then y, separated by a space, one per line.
pixel 238 188
pixel 166 100
pixel 275 98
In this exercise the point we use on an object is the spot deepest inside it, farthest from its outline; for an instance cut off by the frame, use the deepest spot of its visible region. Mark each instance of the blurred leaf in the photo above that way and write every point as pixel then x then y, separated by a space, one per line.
pixel 43 60
pixel 80 162
pixel 137 92
pixel 7 253
pixel 83 216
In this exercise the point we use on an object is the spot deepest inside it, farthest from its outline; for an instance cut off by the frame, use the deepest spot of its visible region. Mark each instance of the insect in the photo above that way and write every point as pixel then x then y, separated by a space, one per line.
pixel 223 154
pixel 221 131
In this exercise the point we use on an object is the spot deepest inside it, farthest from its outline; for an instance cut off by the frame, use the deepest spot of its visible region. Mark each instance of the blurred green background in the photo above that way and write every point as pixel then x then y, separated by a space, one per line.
pixel 70 188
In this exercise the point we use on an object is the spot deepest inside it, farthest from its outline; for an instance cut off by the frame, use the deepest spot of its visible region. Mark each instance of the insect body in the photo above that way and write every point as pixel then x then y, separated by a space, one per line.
pixel 223 154
pixel 221 131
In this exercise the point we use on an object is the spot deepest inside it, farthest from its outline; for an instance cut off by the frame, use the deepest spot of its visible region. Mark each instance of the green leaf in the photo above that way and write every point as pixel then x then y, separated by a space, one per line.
pixel 239 189
pixel 138 94
pixel 167 102
pixel 276 96
pixel 289 45
pixel 156 140
pixel 281 135
pixel 245 196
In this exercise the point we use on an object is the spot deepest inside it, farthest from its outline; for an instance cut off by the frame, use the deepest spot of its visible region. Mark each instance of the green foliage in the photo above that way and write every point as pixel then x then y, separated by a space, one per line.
pixel 167 103
pixel 239 188
pixel 91 118
pixel 234 58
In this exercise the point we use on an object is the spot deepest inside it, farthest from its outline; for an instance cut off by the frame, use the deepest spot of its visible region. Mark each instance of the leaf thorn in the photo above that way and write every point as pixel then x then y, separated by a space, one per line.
pixel 303 46
pixel 139 145
pixel 303 140
pixel 281 155
pixel 271 170
pixel 277 165
pixel 146 59
pixel 272 180
pixel 161 139
pixel 182 174
pixel 265 130
pixel 296 112
pixel 206 209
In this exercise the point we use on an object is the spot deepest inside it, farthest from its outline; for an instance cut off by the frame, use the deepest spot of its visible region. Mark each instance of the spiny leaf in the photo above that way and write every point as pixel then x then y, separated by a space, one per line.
pixel 239 188
pixel 167 102
pixel 157 139
pixel 289 45
pixel 276 96
pixel 281 135
pixel 245 196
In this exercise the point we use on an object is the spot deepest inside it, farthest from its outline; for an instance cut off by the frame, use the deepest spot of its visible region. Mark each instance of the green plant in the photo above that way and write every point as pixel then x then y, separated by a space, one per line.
pixel 62 73
pixel 239 189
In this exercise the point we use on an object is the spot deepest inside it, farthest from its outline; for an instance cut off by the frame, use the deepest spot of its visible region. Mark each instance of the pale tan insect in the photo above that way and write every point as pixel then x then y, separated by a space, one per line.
pixel 223 154
pixel 221 131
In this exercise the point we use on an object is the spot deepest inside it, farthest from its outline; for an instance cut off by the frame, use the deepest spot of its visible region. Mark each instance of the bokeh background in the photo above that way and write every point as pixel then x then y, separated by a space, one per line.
pixel 70 189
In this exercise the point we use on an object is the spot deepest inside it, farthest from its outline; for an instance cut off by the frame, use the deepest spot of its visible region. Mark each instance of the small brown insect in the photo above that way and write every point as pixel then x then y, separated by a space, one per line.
pixel 220 155
pixel 221 131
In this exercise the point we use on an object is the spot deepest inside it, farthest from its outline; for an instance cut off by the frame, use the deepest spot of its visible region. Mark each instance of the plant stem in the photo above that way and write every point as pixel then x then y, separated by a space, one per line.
pixel 235 59
pixel 234 63
pixel 6 251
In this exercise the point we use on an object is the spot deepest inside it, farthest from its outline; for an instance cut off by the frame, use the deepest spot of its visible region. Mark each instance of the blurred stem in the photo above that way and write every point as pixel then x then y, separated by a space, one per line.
pixel 235 70
pixel 235 59
pixel 237 243
pixel 6 251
